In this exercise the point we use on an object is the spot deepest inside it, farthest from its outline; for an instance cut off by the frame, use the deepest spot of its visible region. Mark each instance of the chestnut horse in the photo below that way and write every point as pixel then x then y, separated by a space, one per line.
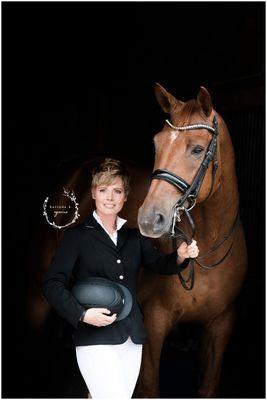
pixel 194 161
pixel 164 300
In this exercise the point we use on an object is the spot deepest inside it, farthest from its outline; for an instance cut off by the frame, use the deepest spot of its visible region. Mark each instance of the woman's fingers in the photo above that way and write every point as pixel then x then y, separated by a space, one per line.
pixel 109 320
pixel 192 244
pixel 192 249
pixel 104 310
pixel 193 255
pixel 98 317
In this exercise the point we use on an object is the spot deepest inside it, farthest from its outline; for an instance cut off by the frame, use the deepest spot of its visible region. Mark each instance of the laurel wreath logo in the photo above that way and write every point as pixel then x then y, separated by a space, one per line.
pixel 72 197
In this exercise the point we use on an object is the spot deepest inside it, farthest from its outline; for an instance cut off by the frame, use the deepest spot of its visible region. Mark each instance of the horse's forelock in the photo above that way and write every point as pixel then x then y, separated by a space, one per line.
pixel 184 115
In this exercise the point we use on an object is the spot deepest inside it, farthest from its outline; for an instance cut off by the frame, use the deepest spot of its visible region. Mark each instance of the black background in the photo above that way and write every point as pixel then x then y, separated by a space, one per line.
pixel 77 80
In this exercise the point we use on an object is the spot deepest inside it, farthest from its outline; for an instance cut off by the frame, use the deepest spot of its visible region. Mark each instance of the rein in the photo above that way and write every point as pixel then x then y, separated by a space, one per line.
pixel 190 193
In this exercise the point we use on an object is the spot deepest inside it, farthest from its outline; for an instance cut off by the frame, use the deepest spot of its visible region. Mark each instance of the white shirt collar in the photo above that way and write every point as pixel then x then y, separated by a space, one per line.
pixel 119 222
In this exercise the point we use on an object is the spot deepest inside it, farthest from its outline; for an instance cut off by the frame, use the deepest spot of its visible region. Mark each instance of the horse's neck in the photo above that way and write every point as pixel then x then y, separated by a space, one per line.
pixel 214 218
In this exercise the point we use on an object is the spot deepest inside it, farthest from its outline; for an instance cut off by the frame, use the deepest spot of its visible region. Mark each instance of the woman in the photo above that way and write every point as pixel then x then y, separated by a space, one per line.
pixel 108 351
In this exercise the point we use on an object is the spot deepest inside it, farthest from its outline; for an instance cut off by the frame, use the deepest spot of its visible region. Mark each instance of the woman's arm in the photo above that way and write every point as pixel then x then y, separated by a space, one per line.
pixel 58 276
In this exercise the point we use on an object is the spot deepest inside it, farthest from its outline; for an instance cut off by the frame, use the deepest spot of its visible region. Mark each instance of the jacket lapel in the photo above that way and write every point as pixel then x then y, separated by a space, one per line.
pixel 122 236
pixel 99 233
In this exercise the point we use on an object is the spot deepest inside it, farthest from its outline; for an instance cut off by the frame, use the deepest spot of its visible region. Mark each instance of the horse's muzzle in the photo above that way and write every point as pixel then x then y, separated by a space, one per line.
pixel 152 223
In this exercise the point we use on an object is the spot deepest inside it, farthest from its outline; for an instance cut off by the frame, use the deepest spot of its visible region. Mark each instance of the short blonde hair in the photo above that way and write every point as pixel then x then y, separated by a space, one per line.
pixel 108 171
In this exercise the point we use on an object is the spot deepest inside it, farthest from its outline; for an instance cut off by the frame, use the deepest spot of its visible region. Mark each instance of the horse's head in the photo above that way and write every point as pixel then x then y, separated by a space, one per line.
pixel 180 152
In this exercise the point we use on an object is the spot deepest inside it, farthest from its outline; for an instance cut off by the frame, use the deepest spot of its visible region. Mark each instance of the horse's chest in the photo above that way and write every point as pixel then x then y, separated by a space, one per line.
pixel 196 303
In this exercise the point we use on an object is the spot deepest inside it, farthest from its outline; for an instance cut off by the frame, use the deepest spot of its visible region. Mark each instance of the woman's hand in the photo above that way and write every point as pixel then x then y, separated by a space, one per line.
pixel 187 251
pixel 97 317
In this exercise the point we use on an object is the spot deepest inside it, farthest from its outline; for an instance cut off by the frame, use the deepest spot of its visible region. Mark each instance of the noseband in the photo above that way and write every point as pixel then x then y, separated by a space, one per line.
pixel 190 193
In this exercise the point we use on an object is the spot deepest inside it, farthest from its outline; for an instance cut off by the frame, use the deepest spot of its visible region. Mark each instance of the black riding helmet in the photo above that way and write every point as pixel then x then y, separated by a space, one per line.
pixel 101 292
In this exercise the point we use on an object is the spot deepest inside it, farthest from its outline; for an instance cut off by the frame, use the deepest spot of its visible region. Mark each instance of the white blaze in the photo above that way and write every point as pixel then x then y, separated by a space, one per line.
pixel 173 136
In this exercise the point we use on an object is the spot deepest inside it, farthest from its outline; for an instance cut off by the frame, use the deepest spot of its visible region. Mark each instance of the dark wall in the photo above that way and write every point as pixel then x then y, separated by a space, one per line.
pixel 77 80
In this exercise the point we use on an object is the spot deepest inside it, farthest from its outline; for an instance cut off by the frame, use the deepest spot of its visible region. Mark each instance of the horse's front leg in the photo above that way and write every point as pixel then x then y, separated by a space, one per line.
pixel 157 321
pixel 215 337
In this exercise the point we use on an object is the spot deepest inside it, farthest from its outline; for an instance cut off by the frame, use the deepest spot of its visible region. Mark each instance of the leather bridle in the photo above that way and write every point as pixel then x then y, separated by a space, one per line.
pixel 189 194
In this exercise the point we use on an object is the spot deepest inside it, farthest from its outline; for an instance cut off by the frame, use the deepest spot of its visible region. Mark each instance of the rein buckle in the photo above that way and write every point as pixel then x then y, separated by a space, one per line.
pixel 178 213
pixel 176 217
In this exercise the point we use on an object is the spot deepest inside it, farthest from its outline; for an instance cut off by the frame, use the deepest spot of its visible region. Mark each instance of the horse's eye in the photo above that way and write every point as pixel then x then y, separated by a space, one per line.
pixel 197 150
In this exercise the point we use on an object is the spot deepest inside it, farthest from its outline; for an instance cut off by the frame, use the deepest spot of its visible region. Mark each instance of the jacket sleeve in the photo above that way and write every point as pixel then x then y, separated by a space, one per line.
pixel 158 262
pixel 54 287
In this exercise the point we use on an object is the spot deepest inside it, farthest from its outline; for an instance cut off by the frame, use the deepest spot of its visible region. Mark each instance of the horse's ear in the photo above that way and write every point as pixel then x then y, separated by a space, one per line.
pixel 166 100
pixel 204 100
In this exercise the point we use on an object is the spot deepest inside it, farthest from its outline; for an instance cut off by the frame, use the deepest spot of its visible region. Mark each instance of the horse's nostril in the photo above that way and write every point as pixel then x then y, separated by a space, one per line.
pixel 151 223
pixel 159 219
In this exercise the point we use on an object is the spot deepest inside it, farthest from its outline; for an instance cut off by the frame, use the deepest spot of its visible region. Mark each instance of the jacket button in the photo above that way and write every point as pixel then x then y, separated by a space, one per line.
pixel 118 261
pixel 121 276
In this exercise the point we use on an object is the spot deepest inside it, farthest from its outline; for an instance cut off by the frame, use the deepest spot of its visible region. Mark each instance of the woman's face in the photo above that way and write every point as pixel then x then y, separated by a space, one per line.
pixel 109 199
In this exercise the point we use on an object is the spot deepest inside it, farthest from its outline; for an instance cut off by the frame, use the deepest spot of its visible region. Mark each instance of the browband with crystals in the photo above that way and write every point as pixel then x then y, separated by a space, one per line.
pixel 188 127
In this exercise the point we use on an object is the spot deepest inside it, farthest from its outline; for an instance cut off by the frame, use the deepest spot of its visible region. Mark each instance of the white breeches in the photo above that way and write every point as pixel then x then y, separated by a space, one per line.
pixel 110 371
